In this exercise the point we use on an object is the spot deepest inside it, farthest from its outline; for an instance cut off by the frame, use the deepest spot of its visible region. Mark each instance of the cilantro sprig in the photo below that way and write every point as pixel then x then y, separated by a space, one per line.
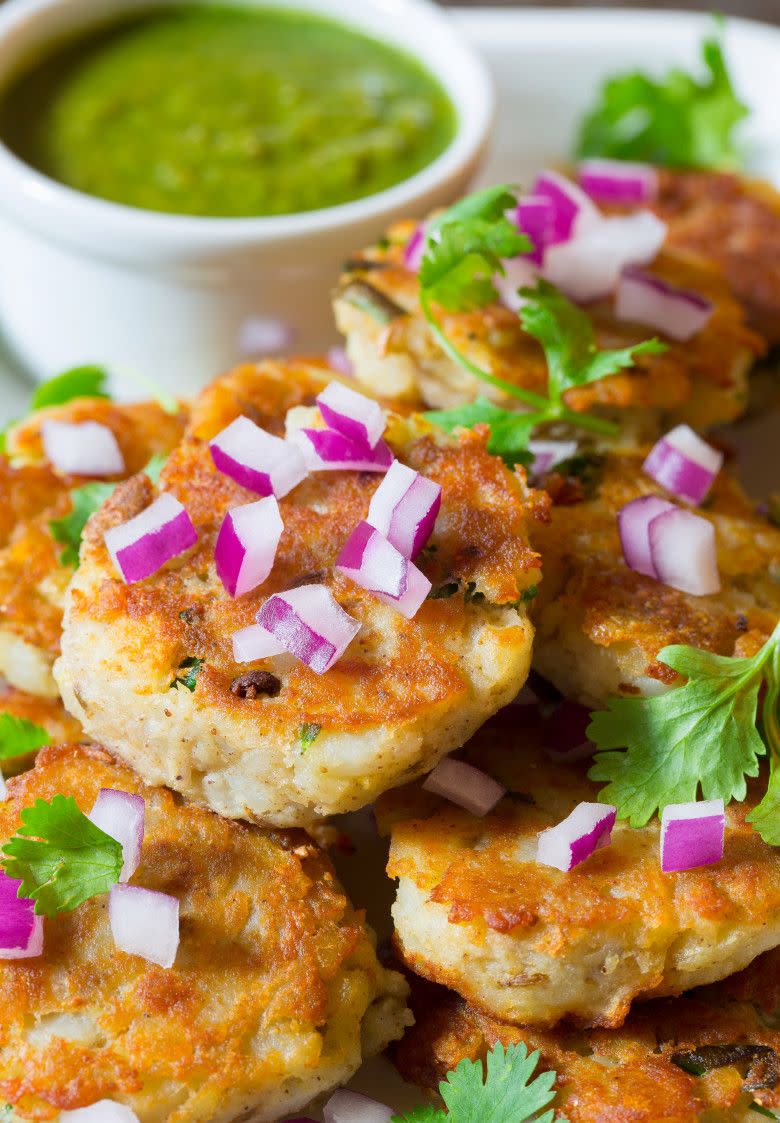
pixel 682 120
pixel 79 382
pixel 502 1093
pixel 699 736
pixel 60 856
pixel 19 736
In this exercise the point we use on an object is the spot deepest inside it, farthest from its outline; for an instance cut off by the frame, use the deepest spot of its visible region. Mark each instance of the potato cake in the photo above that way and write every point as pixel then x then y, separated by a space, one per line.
pixel 33 577
pixel 301 745
pixel 48 713
pixel 526 943
pixel 600 625
pixel 274 997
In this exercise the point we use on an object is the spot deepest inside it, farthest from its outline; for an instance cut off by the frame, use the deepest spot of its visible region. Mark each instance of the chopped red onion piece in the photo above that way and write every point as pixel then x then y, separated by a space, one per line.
pixel 547 454
pixel 262 335
pixel 253 643
pixel 3 789
pixel 325 450
pixel 633 522
pixel 684 464
pixel 643 298
pixel 618 181
pixel 682 549
pixel 415 248
pixel 588 267
pixel 257 460
pixel 461 783
pixel 371 562
pixel 144 923
pixel 536 217
pixel 573 212
pixel 339 360
pixel 86 448
pixel 519 273
pixel 246 545
pixel 565 733
pixel 121 815
pixel 692 834
pixel 356 416
pixel 404 508
pixel 21 931
pixel 587 829
pixel 350 1107
pixel 310 624
pixel 139 547
pixel 104 1111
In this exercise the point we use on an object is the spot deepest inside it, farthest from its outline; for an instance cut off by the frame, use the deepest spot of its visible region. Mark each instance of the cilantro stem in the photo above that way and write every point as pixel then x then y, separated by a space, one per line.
pixel 544 408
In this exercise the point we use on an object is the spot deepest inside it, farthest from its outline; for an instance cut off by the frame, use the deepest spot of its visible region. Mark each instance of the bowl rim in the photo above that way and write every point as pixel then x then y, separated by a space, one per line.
pixel 466 80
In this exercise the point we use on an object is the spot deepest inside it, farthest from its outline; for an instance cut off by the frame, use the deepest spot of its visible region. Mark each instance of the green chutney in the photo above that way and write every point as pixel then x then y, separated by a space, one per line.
pixel 227 111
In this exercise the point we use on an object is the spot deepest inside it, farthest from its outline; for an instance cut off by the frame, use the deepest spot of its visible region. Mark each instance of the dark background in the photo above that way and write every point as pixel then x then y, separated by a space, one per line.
pixel 757 9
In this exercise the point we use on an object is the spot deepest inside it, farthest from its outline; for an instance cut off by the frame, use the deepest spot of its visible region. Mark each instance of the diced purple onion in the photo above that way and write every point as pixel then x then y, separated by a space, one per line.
pixel 682 549
pixel 253 643
pixel 374 564
pixel 589 266
pixel 465 785
pixel 104 1111
pixel 404 508
pixel 564 733
pixel 144 923
pixel 257 460
pixel 121 815
pixel 618 181
pixel 692 834
pixel 633 522
pixel 536 218
pixel 519 273
pixel 85 448
pixel 262 335
pixel 350 1107
pixel 570 842
pixel 339 360
pixel 573 212
pixel 643 298
pixel 310 624
pixel 21 931
pixel 684 464
pixel 325 450
pixel 359 418
pixel 415 248
pixel 141 546
pixel 547 454
pixel 3 789
pixel 246 545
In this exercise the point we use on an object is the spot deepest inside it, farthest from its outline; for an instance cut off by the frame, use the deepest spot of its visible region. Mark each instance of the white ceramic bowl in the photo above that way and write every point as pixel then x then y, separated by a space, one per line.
pixel 84 280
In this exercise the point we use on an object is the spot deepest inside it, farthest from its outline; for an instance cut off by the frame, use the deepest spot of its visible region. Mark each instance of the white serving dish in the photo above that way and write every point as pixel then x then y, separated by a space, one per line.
pixel 546 65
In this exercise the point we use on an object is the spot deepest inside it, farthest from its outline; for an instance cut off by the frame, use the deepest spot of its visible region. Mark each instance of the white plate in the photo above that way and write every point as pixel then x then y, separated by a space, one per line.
pixel 547 65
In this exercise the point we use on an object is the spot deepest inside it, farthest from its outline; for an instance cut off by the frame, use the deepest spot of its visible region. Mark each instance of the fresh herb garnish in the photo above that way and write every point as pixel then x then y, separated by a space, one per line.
pixel 60 856
pixel 504 1093
pixel 79 382
pixel 699 735
pixel 192 667
pixel 761 1061
pixel 761 1110
pixel 85 500
pixel 509 432
pixel 155 467
pixel 308 734
pixel 19 736
pixel 681 121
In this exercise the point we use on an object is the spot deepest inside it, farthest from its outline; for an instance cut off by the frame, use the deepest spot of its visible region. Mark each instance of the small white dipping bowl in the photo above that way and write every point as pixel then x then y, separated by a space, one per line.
pixel 168 296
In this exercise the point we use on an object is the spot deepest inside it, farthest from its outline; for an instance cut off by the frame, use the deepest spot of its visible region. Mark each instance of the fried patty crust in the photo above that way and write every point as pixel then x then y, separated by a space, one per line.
pixel 275 994
pixel 702 382
pixel 403 694
pixel 528 944
pixel 33 577
pixel 600 625
pixel 633 1074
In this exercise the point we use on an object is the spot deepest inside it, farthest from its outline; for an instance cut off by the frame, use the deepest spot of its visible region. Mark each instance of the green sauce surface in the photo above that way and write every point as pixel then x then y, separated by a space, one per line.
pixel 227 111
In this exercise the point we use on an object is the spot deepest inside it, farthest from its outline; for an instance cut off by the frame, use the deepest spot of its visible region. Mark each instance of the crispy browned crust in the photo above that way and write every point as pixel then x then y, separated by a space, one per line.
pixel 616 1076
pixel 268 941
pixel 589 592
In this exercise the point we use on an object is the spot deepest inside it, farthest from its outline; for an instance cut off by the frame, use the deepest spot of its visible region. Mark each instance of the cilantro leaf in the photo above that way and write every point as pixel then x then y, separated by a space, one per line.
pixel 192 667
pixel 155 467
pixel 80 382
pixel 60 856
pixel 702 734
pixel 425 1113
pixel 19 736
pixel 510 430
pixel 68 530
pixel 679 121
pixel 309 732
pixel 566 334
